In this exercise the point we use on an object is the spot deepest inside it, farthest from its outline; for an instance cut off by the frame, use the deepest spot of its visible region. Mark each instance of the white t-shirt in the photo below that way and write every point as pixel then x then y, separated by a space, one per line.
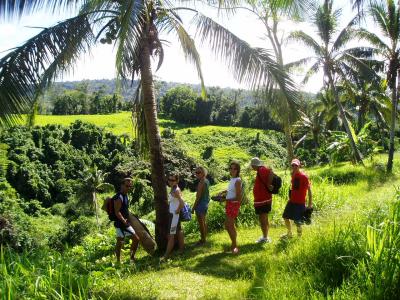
pixel 173 203
pixel 231 194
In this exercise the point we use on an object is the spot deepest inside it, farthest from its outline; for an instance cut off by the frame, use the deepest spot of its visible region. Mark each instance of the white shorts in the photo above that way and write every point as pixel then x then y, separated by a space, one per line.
pixel 128 231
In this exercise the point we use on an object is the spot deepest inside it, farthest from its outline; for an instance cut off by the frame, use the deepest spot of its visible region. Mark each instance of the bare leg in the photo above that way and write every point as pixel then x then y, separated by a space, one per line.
pixel 299 230
pixel 170 245
pixel 134 246
pixel 230 227
pixel 201 219
pixel 289 227
pixel 118 247
pixel 264 224
pixel 181 240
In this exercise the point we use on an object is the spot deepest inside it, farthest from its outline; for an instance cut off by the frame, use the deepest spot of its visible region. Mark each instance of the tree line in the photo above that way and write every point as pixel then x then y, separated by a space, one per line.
pixel 80 101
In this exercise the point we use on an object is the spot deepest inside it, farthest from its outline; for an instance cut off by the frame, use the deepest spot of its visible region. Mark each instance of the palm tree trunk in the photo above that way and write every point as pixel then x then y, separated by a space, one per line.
pixel 289 142
pixel 357 155
pixel 395 91
pixel 95 209
pixel 156 156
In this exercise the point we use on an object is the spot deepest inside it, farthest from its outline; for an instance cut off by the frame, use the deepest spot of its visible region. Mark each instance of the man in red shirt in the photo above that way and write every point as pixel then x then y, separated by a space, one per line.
pixel 262 196
pixel 296 205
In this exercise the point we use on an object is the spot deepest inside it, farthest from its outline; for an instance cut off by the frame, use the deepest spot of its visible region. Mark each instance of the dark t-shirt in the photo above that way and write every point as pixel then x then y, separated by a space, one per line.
pixel 124 209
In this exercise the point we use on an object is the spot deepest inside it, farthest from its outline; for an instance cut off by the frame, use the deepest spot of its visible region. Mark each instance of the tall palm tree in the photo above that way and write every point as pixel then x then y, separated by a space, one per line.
pixel 387 18
pixel 330 55
pixel 134 26
pixel 284 108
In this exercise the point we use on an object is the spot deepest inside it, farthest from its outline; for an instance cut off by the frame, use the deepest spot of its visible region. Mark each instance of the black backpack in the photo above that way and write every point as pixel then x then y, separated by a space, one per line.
pixel 276 183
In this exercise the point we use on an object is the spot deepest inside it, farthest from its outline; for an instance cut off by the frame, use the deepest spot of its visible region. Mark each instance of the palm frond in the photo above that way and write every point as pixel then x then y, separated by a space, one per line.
pixel 10 9
pixel 33 66
pixel 253 66
pixel 311 72
pixel 188 45
pixel 293 8
pixel 373 39
pixel 299 63
pixel 345 35
pixel 306 40
pixel 129 39
pixel 381 18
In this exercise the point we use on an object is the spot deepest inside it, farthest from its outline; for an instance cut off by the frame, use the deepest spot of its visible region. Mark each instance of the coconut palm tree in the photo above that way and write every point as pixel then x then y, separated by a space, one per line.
pixel 387 18
pixel 134 27
pixel 330 55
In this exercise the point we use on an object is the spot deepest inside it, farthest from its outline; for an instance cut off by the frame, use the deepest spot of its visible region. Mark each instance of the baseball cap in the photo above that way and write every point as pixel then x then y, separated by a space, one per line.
pixel 295 162
pixel 256 162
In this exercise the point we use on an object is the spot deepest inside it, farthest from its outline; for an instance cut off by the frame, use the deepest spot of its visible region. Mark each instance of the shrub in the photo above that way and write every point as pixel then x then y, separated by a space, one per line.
pixel 379 273
pixel 72 234
pixel 15 227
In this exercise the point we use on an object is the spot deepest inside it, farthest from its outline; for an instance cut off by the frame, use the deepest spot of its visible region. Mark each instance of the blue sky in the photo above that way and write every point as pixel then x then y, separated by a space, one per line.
pixel 99 64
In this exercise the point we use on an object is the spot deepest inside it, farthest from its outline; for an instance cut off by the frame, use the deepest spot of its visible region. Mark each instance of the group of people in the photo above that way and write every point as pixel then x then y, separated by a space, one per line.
pixel 233 196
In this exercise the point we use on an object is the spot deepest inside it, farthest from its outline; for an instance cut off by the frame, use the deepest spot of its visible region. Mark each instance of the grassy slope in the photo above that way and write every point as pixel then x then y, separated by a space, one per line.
pixel 260 271
pixel 269 271
pixel 193 143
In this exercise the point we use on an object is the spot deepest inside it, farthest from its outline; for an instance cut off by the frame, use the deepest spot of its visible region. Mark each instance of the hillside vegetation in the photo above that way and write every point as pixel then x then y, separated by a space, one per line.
pixel 348 252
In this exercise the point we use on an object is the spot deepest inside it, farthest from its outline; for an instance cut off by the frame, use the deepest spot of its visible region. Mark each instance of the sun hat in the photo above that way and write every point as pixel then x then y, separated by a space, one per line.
pixel 256 162
pixel 295 162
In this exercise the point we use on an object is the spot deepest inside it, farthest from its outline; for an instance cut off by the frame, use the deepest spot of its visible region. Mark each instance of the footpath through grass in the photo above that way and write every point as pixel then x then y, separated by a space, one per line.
pixel 318 265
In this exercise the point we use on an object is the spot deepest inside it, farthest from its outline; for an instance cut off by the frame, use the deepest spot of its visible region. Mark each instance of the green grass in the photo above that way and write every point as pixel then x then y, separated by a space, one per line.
pixel 329 261
pixel 322 264
pixel 119 123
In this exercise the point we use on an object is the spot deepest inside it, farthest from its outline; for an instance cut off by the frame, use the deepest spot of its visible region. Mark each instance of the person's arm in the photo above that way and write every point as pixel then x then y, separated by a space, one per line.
pixel 199 192
pixel 117 211
pixel 178 194
pixel 238 188
pixel 269 180
pixel 309 197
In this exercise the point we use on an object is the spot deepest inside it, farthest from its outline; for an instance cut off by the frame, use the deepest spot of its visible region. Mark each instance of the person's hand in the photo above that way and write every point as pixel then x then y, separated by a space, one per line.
pixel 271 187
pixel 177 212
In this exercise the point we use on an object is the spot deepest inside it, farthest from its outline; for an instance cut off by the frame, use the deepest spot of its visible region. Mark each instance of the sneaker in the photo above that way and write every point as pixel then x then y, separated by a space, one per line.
pixel 287 236
pixel 235 250
pixel 264 240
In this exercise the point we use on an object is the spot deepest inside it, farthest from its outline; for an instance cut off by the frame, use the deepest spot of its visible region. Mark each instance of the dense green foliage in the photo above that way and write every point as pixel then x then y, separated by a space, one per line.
pixel 80 102
pixel 184 105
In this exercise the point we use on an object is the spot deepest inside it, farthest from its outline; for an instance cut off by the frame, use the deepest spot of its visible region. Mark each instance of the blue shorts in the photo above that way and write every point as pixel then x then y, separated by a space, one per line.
pixel 295 212
pixel 201 208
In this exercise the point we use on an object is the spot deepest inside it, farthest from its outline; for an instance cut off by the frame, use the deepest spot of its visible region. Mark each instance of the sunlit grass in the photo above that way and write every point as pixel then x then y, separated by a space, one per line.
pixel 327 262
